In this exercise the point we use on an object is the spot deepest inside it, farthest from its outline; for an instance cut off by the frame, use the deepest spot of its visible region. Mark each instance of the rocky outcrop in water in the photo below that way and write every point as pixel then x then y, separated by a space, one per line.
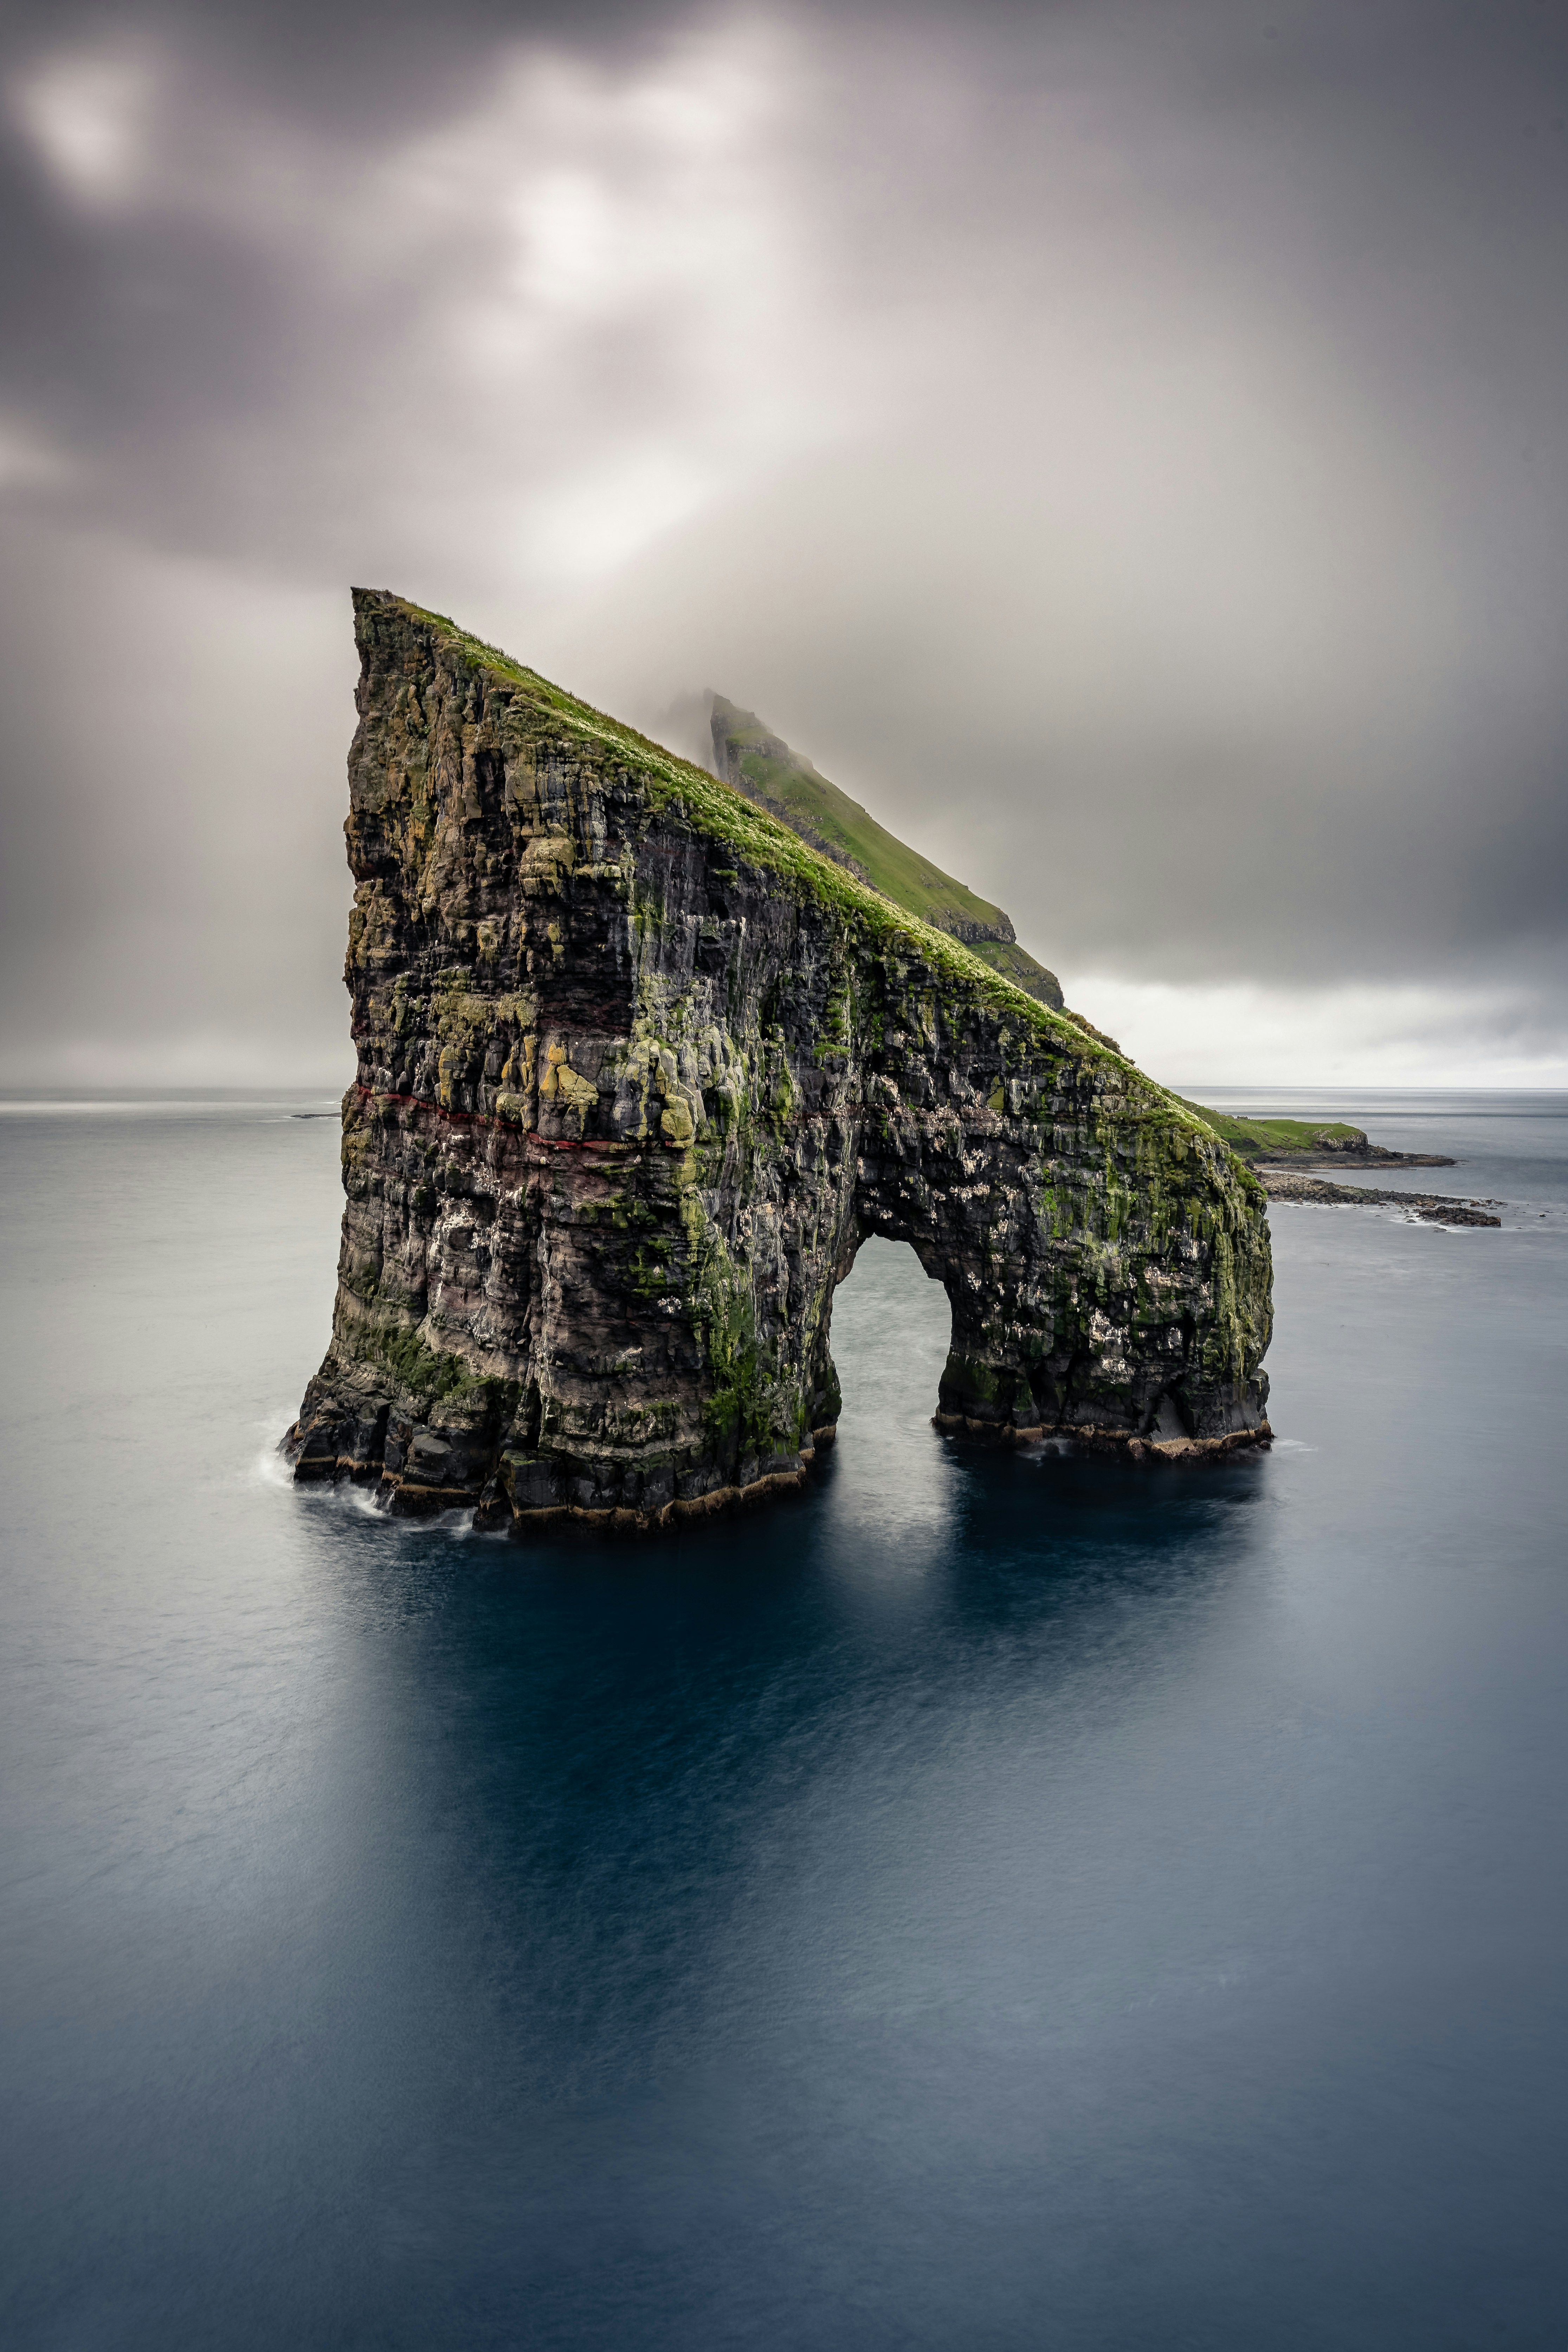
pixel 1307 1143
pixel 1430 1208
pixel 638 1070
pixel 1328 1152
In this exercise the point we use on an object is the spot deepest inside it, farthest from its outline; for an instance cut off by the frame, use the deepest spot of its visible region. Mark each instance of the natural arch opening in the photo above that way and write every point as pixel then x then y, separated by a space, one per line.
pixel 892 1330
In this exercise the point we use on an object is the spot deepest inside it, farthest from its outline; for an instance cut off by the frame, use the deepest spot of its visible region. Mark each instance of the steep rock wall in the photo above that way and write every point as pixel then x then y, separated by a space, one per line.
pixel 637 1072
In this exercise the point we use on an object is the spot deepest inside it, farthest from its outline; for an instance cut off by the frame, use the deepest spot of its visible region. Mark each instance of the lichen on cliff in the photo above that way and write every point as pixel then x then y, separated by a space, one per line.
pixel 639 1068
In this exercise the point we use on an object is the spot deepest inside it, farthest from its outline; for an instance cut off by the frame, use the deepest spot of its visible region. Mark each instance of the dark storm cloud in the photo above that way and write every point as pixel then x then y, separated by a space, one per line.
pixel 1121 443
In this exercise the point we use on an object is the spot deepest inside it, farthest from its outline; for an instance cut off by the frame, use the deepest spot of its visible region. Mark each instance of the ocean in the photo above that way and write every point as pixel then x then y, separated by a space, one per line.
pixel 999 1900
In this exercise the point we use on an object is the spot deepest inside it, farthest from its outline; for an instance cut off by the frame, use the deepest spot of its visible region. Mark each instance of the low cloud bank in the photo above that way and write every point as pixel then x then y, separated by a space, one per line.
pixel 1121 447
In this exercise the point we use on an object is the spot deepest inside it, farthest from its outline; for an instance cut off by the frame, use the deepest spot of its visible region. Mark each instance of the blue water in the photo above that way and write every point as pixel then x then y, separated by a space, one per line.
pixel 997 1902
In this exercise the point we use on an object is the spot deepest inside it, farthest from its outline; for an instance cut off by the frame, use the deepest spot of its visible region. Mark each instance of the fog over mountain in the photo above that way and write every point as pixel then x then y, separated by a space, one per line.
pixel 1123 446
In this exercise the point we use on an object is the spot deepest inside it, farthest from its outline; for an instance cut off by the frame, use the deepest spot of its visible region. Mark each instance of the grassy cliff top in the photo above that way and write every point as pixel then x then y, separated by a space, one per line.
pixel 1264 1138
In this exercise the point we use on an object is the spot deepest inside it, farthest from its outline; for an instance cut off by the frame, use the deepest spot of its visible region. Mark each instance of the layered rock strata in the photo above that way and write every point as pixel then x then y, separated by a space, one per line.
pixel 639 1069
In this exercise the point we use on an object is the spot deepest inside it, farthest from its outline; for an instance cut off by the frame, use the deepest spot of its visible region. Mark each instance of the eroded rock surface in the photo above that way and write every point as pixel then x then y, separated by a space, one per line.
pixel 638 1070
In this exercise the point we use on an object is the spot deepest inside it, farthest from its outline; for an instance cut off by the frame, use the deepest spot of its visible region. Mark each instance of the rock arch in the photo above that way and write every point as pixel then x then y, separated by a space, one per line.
pixel 637 1070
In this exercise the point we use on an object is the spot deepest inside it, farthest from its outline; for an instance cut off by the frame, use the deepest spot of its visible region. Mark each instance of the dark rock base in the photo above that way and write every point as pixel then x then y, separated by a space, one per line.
pixel 1255 1439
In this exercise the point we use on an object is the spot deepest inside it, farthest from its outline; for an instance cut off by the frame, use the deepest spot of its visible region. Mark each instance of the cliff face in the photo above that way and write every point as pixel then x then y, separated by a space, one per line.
pixel 638 1069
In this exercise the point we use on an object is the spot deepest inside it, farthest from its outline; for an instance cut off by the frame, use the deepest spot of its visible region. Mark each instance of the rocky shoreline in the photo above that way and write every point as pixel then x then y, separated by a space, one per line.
pixel 1371 1155
pixel 1431 1208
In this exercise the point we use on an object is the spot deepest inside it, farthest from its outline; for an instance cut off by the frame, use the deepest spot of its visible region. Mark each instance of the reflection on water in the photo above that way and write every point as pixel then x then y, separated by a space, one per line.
pixel 997 1899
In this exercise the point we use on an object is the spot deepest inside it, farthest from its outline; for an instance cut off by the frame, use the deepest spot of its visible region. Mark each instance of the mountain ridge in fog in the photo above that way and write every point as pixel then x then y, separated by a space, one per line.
pixel 750 756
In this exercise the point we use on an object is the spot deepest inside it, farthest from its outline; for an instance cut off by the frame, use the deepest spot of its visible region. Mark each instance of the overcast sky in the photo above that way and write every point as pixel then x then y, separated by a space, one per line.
pixel 1125 445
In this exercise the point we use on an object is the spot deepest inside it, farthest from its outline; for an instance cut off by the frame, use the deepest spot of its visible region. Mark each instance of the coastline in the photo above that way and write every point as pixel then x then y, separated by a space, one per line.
pixel 1431 1208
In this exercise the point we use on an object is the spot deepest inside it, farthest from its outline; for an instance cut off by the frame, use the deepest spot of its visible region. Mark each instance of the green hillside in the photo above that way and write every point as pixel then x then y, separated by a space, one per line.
pixel 762 764
pixel 1267 1139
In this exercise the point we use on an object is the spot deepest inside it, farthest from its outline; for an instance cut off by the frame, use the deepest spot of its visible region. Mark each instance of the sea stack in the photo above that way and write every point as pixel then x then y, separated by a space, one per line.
pixel 640 1068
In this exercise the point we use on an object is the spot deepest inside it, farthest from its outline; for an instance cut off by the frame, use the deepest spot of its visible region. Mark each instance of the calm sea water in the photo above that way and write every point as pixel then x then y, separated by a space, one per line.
pixel 998 1902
